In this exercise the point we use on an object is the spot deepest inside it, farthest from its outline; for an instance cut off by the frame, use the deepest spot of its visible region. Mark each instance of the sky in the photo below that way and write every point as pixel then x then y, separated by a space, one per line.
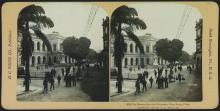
pixel 70 19
pixel 163 20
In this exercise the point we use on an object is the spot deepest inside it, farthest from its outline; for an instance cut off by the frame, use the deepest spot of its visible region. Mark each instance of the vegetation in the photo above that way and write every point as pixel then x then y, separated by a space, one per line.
pixel 32 18
pixel 124 20
pixel 76 48
pixel 169 50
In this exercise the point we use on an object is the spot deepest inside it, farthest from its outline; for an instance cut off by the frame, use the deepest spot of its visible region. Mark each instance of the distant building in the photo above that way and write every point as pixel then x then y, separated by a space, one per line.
pixel 198 53
pixel 41 56
pixel 133 58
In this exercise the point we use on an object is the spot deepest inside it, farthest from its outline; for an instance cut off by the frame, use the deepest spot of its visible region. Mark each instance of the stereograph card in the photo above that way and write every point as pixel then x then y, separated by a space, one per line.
pixel 110 55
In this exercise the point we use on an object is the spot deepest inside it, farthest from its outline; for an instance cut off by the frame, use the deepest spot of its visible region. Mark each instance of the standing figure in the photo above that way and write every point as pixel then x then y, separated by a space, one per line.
pixel 51 83
pixel 166 82
pixel 137 85
pixel 62 72
pixel 45 84
pixel 155 73
pixel 151 81
pixel 58 79
pixel 144 84
pixel 179 77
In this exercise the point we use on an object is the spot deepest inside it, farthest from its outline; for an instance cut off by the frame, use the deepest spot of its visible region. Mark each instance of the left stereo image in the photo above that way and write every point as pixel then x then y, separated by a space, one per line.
pixel 62 55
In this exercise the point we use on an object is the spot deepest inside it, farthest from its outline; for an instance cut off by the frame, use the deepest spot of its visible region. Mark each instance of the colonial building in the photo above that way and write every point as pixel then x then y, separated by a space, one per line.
pixel 198 53
pixel 134 59
pixel 41 56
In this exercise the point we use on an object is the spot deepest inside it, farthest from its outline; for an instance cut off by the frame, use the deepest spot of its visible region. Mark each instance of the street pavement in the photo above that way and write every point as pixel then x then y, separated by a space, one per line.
pixel 60 94
pixel 188 90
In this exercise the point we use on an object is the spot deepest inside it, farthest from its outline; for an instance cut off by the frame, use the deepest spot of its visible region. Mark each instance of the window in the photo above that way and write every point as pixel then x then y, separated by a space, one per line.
pixel 38 60
pixel 43 47
pixel 44 59
pixel 131 48
pixel 33 60
pixel 38 46
pixel 147 48
pixel 148 61
pixel 136 61
pixel 55 47
pixel 126 62
pixel 131 61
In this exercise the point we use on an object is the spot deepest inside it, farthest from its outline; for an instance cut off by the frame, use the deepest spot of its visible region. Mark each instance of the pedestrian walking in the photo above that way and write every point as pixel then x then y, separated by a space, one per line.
pixel 52 83
pixel 58 79
pixel 144 84
pixel 45 84
pixel 151 81
pixel 137 85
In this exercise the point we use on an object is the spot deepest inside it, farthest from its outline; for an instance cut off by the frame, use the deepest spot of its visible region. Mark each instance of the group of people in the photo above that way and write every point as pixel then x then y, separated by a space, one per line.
pixel 49 78
pixel 70 76
pixel 162 77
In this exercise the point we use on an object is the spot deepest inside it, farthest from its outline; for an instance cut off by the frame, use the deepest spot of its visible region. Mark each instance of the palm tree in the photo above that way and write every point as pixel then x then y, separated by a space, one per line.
pixel 124 19
pixel 32 18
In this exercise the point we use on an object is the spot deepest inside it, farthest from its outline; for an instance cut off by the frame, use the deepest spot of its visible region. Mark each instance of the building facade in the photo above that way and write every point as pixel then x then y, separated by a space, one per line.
pixel 198 53
pixel 41 56
pixel 134 59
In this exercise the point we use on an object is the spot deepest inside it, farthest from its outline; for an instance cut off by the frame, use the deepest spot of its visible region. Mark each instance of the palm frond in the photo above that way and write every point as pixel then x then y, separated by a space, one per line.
pixel 135 23
pixel 43 37
pixel 32 10
pixel 44 22
pixel 124 11
pixel 134 38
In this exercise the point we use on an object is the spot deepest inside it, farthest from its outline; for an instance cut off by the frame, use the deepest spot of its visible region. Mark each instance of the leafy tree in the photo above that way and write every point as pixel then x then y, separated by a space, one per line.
pixel 169 50
pixel 185 57
pixel 92 56
pixel 32 18
pixel 76 48
pixel 124 19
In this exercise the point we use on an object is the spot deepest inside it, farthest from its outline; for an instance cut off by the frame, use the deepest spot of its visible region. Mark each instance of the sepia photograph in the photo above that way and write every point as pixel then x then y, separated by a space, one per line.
pixel 63 53
pixel 156 53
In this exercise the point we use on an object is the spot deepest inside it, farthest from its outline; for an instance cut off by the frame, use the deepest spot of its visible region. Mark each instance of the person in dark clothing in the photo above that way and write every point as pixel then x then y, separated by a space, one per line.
pixel 155 73
pixel 137 85
pixel 162 82
pixel 166 71
pixel 62 72
pixel 58 79
pixel 179 77
pixel 175 69
pixel 65 79
pixel 151 82
pixel 52 83
pixel 144 84
pixel 158 82
pixel 166 82
pixel 74 80
pixel 45 84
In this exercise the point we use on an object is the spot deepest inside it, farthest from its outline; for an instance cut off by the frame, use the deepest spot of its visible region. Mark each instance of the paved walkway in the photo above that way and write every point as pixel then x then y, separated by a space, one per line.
pixel 60 94
pixel 188 90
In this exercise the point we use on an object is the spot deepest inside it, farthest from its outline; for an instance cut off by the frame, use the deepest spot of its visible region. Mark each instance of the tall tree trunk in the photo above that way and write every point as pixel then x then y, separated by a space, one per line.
pixel 120 77
pixel 27 76
pixel 119 61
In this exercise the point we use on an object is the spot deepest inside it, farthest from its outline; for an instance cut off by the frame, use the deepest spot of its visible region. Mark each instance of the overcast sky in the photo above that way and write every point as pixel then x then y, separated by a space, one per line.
pixel 163 19
pixel 70 19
